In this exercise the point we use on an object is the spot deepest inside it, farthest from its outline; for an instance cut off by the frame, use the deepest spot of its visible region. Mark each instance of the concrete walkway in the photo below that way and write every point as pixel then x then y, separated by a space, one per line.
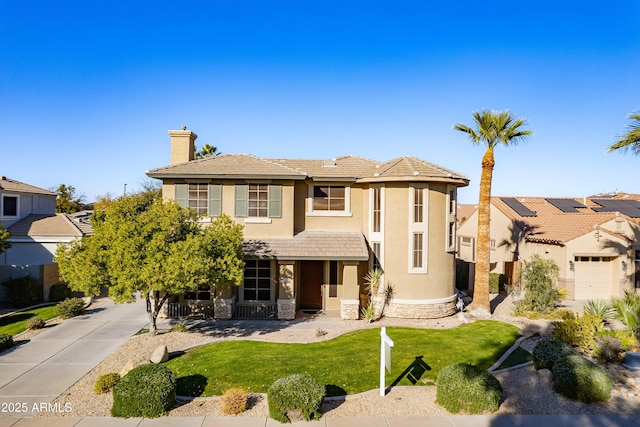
pixel 34 373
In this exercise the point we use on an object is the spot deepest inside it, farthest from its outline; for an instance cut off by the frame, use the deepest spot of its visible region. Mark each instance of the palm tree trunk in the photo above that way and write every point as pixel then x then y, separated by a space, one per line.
pixel 481 283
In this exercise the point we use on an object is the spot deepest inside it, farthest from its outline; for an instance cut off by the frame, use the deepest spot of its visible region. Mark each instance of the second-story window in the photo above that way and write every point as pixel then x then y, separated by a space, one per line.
pixel 199 198
pixel 9 205
pixel 258 200
pixel 329 198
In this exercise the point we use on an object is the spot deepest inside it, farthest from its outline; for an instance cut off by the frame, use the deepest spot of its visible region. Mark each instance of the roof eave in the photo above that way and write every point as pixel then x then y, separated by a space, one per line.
pixel 160 175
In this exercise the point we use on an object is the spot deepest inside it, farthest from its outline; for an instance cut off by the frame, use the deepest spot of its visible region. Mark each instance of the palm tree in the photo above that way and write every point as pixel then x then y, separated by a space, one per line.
pixel 631 138
pixel 491 128
pixel 207 151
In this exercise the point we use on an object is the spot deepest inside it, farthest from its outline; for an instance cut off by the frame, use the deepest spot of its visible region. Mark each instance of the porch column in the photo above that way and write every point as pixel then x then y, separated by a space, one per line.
pixel 223 301
pixel 350 302
pixel 286 290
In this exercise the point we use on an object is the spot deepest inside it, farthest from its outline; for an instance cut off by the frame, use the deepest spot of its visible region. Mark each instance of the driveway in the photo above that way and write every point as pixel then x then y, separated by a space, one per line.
pixel 37 371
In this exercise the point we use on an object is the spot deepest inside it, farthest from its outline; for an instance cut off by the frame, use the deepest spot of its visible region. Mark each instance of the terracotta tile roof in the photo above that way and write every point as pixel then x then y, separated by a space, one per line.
pixel 464 212
pixel 311 245
pixel 411 167
pixel 59 225
pixel 12 185
pixel 553 225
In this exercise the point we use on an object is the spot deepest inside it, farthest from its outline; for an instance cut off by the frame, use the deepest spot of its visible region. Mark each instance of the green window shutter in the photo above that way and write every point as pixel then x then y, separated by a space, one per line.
pixel 181 194
pixel 215 199
pixel 275 201
pixel 242 195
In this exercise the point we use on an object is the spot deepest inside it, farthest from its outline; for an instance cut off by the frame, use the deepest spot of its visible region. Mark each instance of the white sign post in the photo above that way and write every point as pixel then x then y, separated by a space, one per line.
pixel 385 357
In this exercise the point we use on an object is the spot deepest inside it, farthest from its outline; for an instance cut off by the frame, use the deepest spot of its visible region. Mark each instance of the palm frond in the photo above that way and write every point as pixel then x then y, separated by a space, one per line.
pixel 630 140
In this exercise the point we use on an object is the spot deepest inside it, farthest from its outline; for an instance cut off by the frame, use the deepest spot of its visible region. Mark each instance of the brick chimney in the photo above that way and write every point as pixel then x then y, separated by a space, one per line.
pixel 182 145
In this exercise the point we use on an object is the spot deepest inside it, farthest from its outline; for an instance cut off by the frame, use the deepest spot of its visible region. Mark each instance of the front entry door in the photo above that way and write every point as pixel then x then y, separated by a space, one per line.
pixel 311 275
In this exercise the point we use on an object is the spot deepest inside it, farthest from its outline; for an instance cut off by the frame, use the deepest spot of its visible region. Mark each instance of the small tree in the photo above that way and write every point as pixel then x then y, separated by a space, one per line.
pixel 141 245
pixel 68 201
pixel 539 278
pixel 4 236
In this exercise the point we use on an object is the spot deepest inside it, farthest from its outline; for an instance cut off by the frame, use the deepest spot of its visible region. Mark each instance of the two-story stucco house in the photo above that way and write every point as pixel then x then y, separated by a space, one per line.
pixel 595 241
pixel 314 228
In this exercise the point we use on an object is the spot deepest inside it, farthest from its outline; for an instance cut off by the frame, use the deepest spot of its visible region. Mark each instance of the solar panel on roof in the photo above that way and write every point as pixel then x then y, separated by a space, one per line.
pixel 630 208
pixel 566 205
pixel 520 209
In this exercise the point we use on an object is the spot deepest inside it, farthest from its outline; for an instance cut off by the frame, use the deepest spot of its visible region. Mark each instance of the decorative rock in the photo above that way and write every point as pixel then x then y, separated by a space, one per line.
pixel 127 367
pixel 545 376
pixel 160 354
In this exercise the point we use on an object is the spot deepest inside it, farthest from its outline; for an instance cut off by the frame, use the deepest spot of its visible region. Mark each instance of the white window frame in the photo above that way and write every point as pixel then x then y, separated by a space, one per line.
pixel 202 187
pixel 17 197
pixel 377 236
pixel 418 225
pixel 347 200
pixel 450 231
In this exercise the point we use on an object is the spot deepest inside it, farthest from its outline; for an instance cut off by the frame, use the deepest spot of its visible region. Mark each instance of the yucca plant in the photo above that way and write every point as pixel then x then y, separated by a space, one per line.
pixel 600 308
pixel 628 310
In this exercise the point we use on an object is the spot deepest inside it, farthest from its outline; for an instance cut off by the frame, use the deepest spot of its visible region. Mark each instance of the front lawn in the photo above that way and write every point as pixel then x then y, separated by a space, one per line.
pixel 348 364
pixel 17 322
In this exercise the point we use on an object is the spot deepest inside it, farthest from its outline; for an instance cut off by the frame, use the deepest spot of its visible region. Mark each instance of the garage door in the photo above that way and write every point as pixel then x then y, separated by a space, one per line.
pixel 593 277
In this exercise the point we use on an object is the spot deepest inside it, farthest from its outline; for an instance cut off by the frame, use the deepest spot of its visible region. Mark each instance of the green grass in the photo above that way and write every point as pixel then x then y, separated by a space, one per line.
pixel 17 322
pixel 518 357
pixel 348 364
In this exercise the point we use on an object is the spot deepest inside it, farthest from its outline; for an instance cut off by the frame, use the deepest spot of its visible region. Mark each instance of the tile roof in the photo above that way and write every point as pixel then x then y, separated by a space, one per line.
pixel 59 225
pixel 311 245
pixel 12 185
pixel 345 167
pixel 553 225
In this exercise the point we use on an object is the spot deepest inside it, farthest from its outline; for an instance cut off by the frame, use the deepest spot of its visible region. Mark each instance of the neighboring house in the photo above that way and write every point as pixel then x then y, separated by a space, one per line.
pixel 594 240
pixel 29 214
pixel 313 228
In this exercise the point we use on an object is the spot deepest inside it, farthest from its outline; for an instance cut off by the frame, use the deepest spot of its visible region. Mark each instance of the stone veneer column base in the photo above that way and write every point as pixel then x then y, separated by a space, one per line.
pixel 407 309
pixel 223 308
pixel 350 309
pixel 286 309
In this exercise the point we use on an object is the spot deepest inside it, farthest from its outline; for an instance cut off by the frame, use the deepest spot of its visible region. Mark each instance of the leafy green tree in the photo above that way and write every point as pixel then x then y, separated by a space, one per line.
pixel 540 280
pixel 207 151
pixel 630 139
pixel 68 201
pixel 141 245
pixel 4 236
pixel 492 128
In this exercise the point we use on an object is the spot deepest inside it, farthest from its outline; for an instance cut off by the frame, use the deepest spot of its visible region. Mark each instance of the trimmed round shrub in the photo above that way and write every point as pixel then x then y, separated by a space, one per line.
pixel 6 341
pixel 146 391
pixel 295 394
pixel 106 382
pixel 59 292
pixel 467 388
pixel 547 352
pixel 234 401
pixel 23 291
pixel 35 322
pixel 577 378
pixel 70 307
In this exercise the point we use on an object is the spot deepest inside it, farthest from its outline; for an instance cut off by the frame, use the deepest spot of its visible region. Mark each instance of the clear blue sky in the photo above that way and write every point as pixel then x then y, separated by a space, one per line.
pixel 88 89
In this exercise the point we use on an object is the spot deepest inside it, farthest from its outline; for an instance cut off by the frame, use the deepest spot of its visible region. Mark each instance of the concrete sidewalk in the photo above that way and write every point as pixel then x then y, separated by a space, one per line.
pixel 430 421
pixel 36 372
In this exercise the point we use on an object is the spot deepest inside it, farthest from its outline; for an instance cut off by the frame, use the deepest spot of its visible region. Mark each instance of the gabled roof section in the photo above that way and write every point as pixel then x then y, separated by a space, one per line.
pixel 58 225
pixel 311 245
pixel 559 220
pixel 407 168
pixel 11 185
pixel 228 166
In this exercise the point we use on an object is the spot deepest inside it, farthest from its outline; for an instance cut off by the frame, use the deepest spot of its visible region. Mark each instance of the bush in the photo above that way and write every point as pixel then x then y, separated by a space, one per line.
pixel 539 279
pixel 498 282
pixel 608 349
pixel 547 352
pixel 579 331
pixel 146 391
pixel 295 393
pixel 600 308
pixel 23 291
pixel 577 378
pixel 35 322
pixel 234 402
pixel 466 388
pixel 59 292
pixel 179 327
pixel 106 382
pixel 6 341
pixel 70 307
